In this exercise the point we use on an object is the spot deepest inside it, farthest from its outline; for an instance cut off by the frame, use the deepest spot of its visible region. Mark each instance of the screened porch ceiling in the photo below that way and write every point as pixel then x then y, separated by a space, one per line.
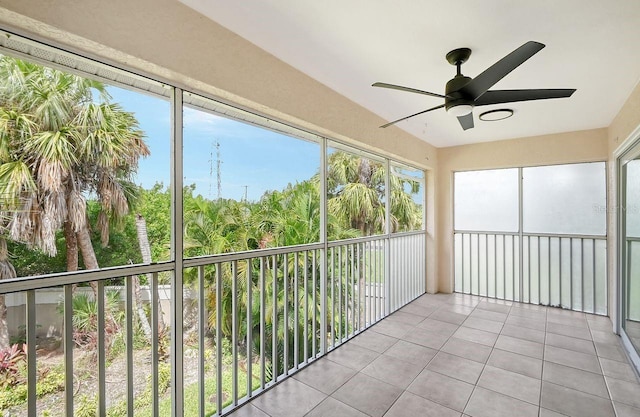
pixel 349 45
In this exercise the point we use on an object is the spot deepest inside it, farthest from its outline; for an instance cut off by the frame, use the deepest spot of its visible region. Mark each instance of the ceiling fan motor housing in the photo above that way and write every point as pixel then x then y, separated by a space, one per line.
pixel 453 96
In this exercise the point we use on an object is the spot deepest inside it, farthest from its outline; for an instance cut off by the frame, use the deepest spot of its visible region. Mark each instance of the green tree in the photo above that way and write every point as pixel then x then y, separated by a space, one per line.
pixel 356 195
pixel 58 144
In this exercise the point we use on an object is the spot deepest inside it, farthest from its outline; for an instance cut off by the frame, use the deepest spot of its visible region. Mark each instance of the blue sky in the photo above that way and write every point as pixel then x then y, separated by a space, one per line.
pixel 257 158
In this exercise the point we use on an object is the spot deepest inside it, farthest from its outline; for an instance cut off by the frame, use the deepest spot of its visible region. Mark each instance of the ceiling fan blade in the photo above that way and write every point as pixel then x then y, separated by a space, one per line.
pixel 480 84
pixel 409 89
pixel 466 121
pixel 408 117
pixel 510 96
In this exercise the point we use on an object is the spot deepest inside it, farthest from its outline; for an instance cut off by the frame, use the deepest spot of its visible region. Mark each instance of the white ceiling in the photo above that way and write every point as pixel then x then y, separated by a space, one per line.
pixel 592 45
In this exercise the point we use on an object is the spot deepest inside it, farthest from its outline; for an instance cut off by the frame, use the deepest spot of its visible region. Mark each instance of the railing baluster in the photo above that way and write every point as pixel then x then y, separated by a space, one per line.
pixel 102 349
pixel 68 350
pixel 202 329
pixel 353 292
pixel 155 404
pixel 340 282
pixel 249 328
pixel 582 273
pixel 31 352
pixel 306 310
pixel 314 320
pixel 560 271
pixel 296 314
pixel 219 298
pixel 262 322
pixel 486 264
pixel 571 273
pixel 274 322
pixel 285 278
pixel 234 333
pixel 593 282
pixel 129 344
pixel 332 278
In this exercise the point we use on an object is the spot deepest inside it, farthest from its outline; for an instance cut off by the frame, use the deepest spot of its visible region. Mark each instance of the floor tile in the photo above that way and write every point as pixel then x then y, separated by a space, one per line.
pixel 575 379
pixel 574 403
pixel 483 324
pixel 464 348
pixel 624 410
pixel 404 317
pixel 607 337
pixel 614 352
pixel 499 307
pixel 566 357
pixel 456 367
pixel 524 333
pixel 579 332
pixel 448 316
pixel 476 336
pixel 600 323
pixel 413 405
pixel 367 394
pixel 277 401
pixel 568 321
pixel 458 308
pixel 442 389
pixel 418 310
pixel 529 323
pixel 548 413
pixel 521 346
pixel 325 375
pixel 510 383
pixel 486 403
pixel 618 370
pixel 624 391
pixel 426 338
pixel 398 369
pixel 514 362
pixel 352 356
pixel 249 410
pixel 489 315
pixel 392 371
pixel 571 343
pixel 438 326
pixel 418 356
pixel 331 407
pixel 529 311
pixel 392 328
pixel 375 341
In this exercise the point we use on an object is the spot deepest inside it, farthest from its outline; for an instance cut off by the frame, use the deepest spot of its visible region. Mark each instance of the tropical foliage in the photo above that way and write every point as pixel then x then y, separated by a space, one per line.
pixel 68 157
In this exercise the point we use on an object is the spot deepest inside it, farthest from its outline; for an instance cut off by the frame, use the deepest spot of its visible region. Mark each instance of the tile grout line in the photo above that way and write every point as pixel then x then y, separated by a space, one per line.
pixel 425 366
pixel 544 349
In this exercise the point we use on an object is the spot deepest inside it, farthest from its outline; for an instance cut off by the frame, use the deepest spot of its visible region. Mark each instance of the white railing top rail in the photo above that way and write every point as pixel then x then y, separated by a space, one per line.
pixel 77 277
pixel 531 234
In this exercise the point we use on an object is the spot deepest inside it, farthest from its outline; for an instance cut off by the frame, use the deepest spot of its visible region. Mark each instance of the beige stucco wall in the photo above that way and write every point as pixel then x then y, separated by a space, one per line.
pixel 165 39
pixel 584 146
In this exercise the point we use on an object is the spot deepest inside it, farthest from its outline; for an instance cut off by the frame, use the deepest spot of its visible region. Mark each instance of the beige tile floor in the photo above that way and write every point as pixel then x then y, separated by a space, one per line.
pixel 458 355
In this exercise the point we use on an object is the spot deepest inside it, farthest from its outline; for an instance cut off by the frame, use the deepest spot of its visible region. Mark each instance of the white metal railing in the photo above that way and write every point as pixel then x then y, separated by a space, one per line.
pixel 567 271
pixel 249 320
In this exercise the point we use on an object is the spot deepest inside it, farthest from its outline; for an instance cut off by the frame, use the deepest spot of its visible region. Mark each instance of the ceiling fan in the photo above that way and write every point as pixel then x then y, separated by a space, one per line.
pixel 463 93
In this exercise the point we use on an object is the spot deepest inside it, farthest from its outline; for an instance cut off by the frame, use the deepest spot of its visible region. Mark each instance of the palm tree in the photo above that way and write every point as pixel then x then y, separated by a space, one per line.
pixel 356 195
pixel 58 145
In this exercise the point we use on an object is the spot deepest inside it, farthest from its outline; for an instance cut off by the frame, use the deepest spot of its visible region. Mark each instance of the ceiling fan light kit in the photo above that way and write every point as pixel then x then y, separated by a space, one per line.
pixel 463 93
pixel 460 110
pixel 495 115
